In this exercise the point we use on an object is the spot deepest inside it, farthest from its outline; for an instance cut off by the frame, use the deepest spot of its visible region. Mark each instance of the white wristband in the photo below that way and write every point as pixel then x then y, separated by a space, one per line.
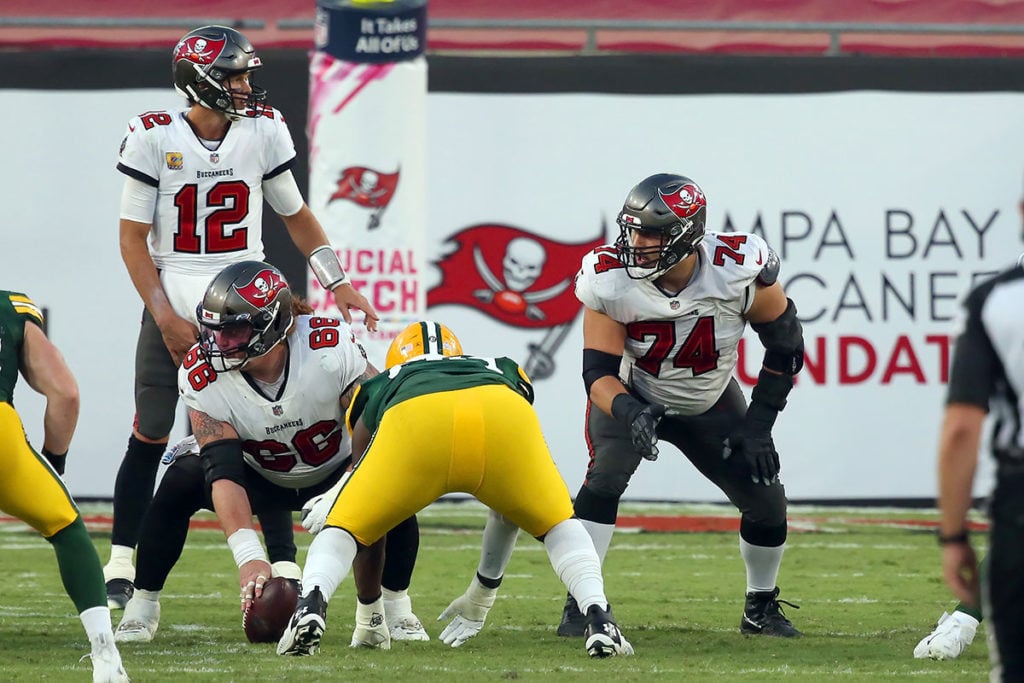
pixel 327 268
pixel 245 546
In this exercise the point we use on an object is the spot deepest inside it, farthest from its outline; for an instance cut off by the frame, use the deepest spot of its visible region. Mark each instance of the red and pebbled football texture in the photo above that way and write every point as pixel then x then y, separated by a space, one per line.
pixel 266 618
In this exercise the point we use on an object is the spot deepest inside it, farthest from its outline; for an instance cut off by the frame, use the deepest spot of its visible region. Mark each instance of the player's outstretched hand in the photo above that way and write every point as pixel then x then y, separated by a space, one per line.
pixel 315 510
pixel 469 611
pixel 346 297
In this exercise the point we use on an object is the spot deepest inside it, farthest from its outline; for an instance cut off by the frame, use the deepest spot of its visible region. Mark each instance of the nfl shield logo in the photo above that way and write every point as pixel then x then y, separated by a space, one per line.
pixel 278 411
pixel 214 158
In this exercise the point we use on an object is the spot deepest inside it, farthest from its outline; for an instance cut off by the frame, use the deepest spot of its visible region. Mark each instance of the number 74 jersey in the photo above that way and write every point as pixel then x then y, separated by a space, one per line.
pixel 209 211
pixel 681 348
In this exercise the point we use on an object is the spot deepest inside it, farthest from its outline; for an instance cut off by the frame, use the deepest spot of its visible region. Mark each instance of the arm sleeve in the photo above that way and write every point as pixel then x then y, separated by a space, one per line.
pixel 138 201
pixel 283 195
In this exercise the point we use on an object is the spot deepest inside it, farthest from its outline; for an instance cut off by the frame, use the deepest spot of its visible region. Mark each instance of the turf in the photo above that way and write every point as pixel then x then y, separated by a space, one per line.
pixel 867 582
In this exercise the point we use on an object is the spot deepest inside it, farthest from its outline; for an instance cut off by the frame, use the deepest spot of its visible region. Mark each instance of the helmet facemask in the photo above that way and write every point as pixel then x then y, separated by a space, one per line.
pixel 211 90
pixel 235 340
pixel 652 260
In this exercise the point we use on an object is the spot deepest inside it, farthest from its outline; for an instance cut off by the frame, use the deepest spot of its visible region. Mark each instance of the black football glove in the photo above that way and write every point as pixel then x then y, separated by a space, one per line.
pixel 642 419
pixel 753 441
pixel 57 461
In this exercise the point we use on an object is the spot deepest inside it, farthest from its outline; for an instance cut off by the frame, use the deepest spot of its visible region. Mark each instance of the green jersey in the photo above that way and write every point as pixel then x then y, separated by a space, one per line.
pixel 430 376
pixel 15 310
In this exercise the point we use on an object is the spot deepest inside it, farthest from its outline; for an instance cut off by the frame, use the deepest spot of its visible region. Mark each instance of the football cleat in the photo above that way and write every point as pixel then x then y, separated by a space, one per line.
pixel 402 623
pixel 950 638
pixel 763 615
pixel 106 661
pixel 603 637
pixel 305 629
pixel 140 621
pixel 407 628
pixel 119 592
pixel 371 629
pixel 573 622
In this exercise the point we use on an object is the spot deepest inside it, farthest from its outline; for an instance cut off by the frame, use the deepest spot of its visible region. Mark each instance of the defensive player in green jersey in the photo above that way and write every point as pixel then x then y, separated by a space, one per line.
pixel 436 422
pixel 31 488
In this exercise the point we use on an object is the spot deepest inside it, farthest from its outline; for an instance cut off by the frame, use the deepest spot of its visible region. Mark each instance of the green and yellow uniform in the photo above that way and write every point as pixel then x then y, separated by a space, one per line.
pixel 29 489
pixel 450 424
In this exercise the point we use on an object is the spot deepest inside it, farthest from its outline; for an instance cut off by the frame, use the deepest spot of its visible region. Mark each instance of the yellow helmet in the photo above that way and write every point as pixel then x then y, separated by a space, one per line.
pixel 422 338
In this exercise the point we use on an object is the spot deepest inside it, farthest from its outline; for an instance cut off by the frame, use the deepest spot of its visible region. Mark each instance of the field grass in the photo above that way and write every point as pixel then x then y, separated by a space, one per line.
pixel 867 583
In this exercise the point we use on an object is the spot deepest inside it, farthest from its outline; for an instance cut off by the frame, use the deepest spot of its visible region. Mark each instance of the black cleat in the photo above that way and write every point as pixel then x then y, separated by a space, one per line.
pixel 763 616
pixel 119 592
pixel 306 627
pixel 573 622
pixel 603 637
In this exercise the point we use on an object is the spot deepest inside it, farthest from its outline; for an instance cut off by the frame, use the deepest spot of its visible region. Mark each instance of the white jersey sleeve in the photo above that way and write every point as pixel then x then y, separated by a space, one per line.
pixel 278 147
pixel 138 156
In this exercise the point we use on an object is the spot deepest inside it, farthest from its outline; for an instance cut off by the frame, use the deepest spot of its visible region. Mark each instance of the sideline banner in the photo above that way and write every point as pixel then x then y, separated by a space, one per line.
pixel 884 207
pixel 367 170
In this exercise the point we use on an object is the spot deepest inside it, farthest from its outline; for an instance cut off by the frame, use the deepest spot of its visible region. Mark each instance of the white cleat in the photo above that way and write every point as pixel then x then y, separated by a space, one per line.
pixel 140 621
pixel 949 639
pixel 371 627
pixel 402 623
pixel 106 661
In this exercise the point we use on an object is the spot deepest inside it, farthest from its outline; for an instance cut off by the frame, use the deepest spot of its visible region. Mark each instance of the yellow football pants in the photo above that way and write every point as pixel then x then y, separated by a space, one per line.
pixel 29 489
pixel 485 441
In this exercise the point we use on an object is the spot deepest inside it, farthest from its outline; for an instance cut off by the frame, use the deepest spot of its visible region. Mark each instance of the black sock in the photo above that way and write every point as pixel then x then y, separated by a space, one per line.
pixel 278 528
pixel 400 550
pixel 181 494
pixel 133 489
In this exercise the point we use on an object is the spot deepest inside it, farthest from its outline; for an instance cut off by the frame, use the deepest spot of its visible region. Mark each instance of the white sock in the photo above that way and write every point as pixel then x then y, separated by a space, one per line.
pixel 120 565
pixel 964 618
pixel 762 565
pixel 151 596
pixel 392 596
pixel 328 561
pixel 601 535
pixel 573 557
pixel 96 621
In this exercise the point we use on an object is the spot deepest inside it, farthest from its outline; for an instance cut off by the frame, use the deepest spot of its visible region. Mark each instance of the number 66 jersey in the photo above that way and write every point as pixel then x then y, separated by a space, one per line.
pixel 296 437
pixel 681 348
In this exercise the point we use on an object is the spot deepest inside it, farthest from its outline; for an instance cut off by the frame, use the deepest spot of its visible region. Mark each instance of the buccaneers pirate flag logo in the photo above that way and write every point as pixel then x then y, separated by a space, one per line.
pixel 517 277
pixel 367 188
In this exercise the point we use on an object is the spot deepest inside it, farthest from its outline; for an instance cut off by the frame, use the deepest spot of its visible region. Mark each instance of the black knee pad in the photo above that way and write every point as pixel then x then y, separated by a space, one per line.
pixel 182 491
pixel 596 508
pixel 756 533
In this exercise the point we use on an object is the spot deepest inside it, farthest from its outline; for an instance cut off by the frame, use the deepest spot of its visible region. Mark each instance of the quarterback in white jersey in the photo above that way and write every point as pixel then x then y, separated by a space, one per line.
pixel 209 202
pixel 192 203
pixel 664 310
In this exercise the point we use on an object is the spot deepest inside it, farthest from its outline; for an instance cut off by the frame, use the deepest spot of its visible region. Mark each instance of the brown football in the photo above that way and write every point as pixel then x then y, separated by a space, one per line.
pixel 266 618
